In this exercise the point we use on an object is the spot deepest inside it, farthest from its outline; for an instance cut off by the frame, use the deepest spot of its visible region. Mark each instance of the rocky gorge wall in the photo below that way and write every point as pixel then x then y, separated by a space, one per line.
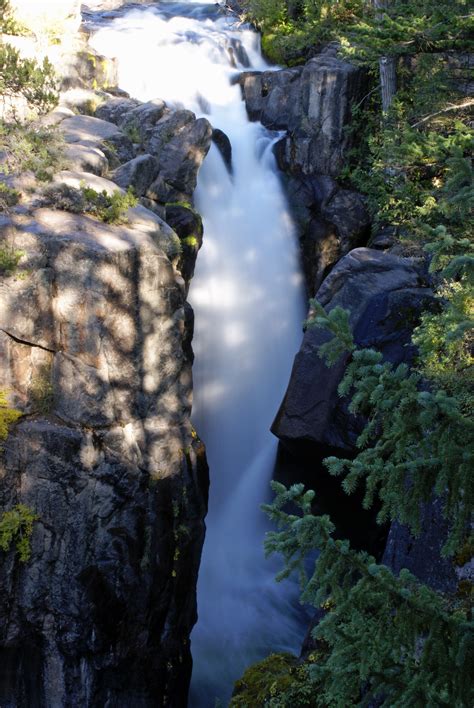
pixel 95 336
pixel 95 351
pixel 384 291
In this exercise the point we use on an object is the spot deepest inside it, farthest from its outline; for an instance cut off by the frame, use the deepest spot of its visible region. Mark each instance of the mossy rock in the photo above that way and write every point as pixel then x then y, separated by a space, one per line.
pixel 263 681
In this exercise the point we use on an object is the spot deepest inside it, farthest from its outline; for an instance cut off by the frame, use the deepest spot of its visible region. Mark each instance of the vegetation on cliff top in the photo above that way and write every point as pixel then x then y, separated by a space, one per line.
pixel 22 77
pixel 294 30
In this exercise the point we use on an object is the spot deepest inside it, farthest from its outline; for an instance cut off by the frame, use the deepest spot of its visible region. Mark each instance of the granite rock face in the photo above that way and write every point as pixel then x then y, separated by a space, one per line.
pixel 313 104
pixel 94 342
pixel 176 140
pixel 331 222
pixel 384 295
pixel 422 555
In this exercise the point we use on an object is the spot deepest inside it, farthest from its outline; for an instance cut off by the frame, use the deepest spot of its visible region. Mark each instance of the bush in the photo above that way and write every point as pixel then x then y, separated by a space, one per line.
pixel 110 209
pixel 8 197
pixel 26 147
pixel 9 259
pixel 16 526
pixel 8 24
pixel 37 83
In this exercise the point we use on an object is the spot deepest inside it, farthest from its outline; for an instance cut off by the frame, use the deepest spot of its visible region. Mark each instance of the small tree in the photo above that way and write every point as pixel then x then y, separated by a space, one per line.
pixel 37 83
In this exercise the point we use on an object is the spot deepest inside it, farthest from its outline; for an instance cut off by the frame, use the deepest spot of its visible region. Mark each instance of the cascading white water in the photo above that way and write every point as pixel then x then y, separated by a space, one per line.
pixel 248 302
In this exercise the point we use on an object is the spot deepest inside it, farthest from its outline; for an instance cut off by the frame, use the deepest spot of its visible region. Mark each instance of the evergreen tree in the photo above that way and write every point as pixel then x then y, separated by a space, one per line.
pixel 383 638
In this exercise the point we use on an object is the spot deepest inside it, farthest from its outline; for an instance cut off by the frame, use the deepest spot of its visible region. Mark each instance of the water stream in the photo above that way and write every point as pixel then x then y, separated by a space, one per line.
pixel 247 295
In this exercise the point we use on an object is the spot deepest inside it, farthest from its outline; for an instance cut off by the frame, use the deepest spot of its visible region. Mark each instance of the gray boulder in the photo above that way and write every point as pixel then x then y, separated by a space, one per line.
pixel 86 158
pixel 140 121
pixel 115 106
pixel 332 221
pixel 270 95
pixel 384 295
pixel 422 555
pixel 180 144
pixel 138 173
pixel 88 130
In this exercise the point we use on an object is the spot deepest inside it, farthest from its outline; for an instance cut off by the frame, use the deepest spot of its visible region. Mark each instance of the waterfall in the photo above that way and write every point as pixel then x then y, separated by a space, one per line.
pixel 247 295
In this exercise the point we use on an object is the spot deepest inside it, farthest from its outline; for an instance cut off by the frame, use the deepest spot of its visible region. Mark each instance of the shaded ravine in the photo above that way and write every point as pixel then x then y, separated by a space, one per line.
pixel 247 295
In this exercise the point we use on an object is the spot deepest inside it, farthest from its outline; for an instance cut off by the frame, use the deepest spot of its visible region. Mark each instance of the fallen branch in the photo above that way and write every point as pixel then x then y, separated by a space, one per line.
pixel 457 107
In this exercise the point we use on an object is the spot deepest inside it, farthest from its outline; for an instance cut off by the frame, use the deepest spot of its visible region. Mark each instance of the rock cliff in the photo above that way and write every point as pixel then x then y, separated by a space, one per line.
pixel 95 350
pixel 313 105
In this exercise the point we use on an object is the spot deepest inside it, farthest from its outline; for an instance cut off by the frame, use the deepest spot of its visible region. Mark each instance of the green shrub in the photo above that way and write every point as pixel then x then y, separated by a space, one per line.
pixel 41 390
pixel 16 526
pixel 29 147
pixel 8 196
pixel 389 639
pixel 8 24
pixel 25 77
pixel 9 259
pixel 112 209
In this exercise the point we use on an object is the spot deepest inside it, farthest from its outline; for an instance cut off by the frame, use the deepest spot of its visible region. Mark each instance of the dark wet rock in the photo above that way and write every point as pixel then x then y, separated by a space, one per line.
pixel 238 53
pixel 269 96
pixel 223 144
pixel 187 223
pixel 313 104
pixel 385 295
pixel 422 555
pixel 331 222
pixel 385 238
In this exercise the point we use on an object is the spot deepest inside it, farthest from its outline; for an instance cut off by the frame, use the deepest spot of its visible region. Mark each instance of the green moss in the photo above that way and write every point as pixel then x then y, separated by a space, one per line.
pixel 185 205
pixel 7 416
pixel 190 241
pixel 263 680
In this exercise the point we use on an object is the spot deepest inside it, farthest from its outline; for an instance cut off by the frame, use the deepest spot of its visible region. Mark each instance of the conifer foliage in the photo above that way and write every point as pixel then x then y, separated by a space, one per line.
pixel 386 638
pixel 416 442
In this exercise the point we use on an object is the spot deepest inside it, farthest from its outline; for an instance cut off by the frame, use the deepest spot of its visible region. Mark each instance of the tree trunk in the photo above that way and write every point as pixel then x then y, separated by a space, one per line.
pixel 387 66
pixel 388 80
